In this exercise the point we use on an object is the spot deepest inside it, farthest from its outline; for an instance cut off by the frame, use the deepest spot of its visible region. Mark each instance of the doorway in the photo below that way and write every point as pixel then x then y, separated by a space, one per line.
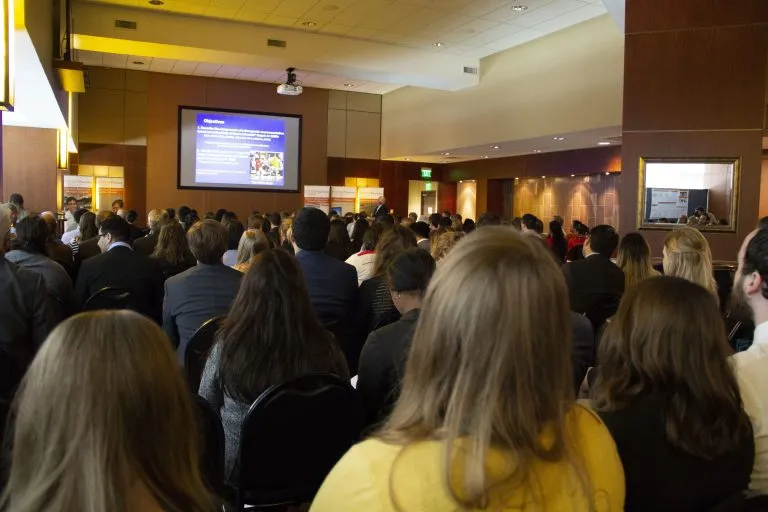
pixel 428 202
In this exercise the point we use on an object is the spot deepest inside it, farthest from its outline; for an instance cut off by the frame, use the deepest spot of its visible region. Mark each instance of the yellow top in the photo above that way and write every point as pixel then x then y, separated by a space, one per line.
pixel 360 482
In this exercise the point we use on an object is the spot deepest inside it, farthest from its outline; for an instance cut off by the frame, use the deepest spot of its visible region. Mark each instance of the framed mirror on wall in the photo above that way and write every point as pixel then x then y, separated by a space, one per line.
pixel 697 192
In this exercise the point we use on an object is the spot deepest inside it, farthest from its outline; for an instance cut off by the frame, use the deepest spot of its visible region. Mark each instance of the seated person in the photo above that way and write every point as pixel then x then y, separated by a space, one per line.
pixel 202 292
pixel 476 427
pixel 137 449
pixel 365 260
pixel 58 251
pixel 172 250
pixel 382 361
pixel 146 244
pixel 234 233
pixel 270 336
pixel 119 267
pixel 252 242
pixel 669 396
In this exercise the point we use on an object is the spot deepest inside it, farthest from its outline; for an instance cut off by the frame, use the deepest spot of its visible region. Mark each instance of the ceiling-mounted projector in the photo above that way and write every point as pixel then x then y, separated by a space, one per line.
pixel 291 86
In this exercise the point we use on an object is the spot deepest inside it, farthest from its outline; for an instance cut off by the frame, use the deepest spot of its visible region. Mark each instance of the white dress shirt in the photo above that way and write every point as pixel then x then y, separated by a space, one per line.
pixel 69 237
pixel 363 262
pixel 751 368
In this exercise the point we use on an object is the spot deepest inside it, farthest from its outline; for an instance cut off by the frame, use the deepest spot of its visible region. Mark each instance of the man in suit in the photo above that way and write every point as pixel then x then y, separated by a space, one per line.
pixel 201 292
pixel 332 284
pixel 421 230
pixel 120 267
pixel 596 284
pixel 274 230
pixel 381 207
pixel 155 220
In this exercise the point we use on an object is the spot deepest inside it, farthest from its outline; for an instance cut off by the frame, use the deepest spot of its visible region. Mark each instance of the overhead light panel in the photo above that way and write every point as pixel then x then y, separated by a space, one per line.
pixel 309 24
pixel 604 143
pixel 519 8
pixel 494 147
pixel 558 138
pixel 438 44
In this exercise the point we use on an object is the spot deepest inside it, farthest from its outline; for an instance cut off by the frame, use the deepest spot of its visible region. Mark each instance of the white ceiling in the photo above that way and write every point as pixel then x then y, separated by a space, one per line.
pixel 472 28
pixel 184 67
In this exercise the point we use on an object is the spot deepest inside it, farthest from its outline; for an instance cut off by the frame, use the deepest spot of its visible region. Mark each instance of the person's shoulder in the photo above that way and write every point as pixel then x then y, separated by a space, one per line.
pixel 27 278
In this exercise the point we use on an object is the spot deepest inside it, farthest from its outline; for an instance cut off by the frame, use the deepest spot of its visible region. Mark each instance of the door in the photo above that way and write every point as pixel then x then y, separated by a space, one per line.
pixel 428 202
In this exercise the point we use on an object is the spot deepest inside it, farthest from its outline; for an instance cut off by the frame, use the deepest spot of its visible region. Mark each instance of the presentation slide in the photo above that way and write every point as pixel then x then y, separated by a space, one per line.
pixel 238 150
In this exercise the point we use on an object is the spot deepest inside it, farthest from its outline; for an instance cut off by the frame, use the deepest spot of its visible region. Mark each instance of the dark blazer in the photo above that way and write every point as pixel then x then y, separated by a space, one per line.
pixel 381 209
pixel 136 232
pixel 146 244
pixel 592 281
pixel 86 249
pixel 195 296
pixel 274 236
pixel 583 348
pixel 662 477
pixel 61 254
pixel 382 365
pixel 121 267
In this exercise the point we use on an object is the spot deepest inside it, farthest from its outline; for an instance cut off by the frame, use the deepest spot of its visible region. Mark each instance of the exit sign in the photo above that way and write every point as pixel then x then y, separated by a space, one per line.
pixel 426 173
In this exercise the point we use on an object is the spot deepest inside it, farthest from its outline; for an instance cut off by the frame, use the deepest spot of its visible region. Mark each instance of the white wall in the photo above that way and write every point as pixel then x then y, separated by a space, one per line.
pixel 565 82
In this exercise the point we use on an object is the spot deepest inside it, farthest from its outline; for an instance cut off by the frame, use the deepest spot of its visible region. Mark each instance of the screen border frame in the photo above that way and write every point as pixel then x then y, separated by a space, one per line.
pixel 179 186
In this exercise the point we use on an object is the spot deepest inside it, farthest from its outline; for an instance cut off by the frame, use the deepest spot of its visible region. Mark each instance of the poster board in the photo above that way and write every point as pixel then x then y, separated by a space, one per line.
pixel 79 187
pixel 318 196
pixel 368 197
pixel 343 199
pixel 108 190
pixel 670 204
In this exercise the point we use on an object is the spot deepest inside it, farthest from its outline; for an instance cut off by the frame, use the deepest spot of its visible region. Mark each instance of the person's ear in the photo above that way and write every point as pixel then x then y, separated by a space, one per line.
pixel 753 283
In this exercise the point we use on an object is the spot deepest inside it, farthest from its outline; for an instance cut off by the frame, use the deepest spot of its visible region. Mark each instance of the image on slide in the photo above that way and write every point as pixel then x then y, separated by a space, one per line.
pixel 237 150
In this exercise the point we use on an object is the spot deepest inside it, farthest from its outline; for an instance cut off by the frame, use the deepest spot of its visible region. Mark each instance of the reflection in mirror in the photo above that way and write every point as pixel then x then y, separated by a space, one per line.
pixel 694 192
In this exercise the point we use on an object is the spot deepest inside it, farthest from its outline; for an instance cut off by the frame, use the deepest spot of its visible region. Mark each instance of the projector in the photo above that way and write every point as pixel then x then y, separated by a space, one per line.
pixel 291 87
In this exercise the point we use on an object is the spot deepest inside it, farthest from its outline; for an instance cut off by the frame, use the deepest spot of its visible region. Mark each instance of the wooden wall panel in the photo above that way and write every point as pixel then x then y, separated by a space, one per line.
pixel 29 166
pixel 644 15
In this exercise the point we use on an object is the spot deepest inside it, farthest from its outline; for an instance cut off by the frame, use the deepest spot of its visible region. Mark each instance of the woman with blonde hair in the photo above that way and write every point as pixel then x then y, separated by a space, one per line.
pixel 104 421
pixel 634 258
pixel 285 235
pixel 687 255
pixel 486 418
pixel 444 243
pixel 252 242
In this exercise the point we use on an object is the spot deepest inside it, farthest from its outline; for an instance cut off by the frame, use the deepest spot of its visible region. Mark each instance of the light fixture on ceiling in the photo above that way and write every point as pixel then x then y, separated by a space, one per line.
pixel 407 159
pixel 519 8
pixel 437 44
pixel 558 138
pixel 349 85
pixel 156 2
pixel 604 143
pixel 485 156
pixel 573 175
pixel 543 177
pixel 138 63
pixel 309 24
pixel 494 147
pixel 537 151
pixel 446 154
pixel 608 174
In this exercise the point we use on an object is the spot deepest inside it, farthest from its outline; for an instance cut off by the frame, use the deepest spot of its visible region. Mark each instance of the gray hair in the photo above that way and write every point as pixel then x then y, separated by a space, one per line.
pixel 5 220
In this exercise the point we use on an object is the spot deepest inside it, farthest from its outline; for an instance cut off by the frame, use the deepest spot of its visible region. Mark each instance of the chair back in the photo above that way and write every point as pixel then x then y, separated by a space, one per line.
pixel 292 436
pixel 212 445
pixel 110 297
pixel 603 309
pixel 198 348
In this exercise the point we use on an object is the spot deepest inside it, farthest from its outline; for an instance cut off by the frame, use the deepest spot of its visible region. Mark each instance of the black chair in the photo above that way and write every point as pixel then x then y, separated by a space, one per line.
pixel 196 353
pixel 291 438
pixel 109 297
pixel 212 445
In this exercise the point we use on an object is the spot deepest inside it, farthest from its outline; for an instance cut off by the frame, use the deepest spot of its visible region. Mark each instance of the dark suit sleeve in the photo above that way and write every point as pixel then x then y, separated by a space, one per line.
pixel 372 380
pixel 582 348
pixel 82 286
pixel 158 292
pixel 169 321
pixel 43 321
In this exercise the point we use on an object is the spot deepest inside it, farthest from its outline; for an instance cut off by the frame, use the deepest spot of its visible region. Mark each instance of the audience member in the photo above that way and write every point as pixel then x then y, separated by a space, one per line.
pixel 285 235
pixel 86 244
pixel 669 396
pixel 385 219
pixel 182 213
pixel 103 422
pixel 687 255
pixel 365 260
pixel 120 267
pixel 456 223
pixel 359 229
pixel 70 235
pixel 557 242
pixel 517 224
pixel 529 223
pixel 595 284
pixel 414 217
pixel 338 245
pixel 488 219
pixel 202 292
pixel 71 207
pixel 445 222
pixel 123 214
pixel 750 299
pixel 762 223
pixel 434 221
pixel 117 205
pixel 444 243
pixel 376 306
pixel 155 220
pixel 234 233
pixel 476 426
pixel 131 216
pixel 29 251
pixel 634 259
pixel 468 226
pixel 252 242
pixel 18 201
pixel 270 336
pixel 274 228
pixel 172 250
pixel 256 221
pixel 171 213
pixel 55 249
pixel 382 361
pixel 421 230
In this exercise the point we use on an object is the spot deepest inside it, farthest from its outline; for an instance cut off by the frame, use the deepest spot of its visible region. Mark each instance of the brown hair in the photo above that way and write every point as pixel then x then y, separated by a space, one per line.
pixel 172 245
pixel 392 242
pixel 444 243
pixel 252 242
pixel 494 321
pixel 634 258
pixel 102 408
pixel 668 337
pixel 208 241
pixel 687 255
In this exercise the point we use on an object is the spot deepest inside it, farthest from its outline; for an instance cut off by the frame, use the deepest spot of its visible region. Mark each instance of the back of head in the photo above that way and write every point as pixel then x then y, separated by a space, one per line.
pixel 79 214
pixel 16 199
pixel 183 212
pixel 668 339
pixel 687 255
pixel 603 239
pixel 494 320
pixel 634 258
pixel 411 271
pixel 468 226
pixel 31 234
pixel 156 219
pixel 50 222
pixel 252 242
pixel 421 229
pixel 117 227
pixel 234 232
pixel 386 219
pixel 274 219
pixel 391 243
pixel 171 213
pixel 102 216
pixel 131 216
pixel 488 219
pixel 372 236
pixel 434 220
pixel 271 334
pixel 207 241
pixel 444 243
pixel 172 245
pixel 310 229
pixel 445 222
pixel 529 221
pixel 338 233
pixel 87 225
pixel 102 407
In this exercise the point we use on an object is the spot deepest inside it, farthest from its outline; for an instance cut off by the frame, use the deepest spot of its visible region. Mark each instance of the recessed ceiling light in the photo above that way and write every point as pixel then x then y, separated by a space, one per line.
pixel 558 138
pixel 349 85
pixel 138 63
pixel 607 174
pixel 573 175
pixel 604 143
pixel 446 154
pixel 437 44
pixel 485 156
pixel 494 147
pixel 407 159
pixel 156 2
pixel 543 177
pixel 537 151
pixel 519 8
pixel 309 24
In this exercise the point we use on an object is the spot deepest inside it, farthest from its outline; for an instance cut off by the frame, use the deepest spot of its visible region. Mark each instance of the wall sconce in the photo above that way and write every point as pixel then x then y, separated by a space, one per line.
pixel 7 51
pixel 62 149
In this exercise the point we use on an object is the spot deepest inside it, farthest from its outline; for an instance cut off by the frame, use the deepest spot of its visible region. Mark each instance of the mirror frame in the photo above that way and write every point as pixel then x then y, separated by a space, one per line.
pixel 734 210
